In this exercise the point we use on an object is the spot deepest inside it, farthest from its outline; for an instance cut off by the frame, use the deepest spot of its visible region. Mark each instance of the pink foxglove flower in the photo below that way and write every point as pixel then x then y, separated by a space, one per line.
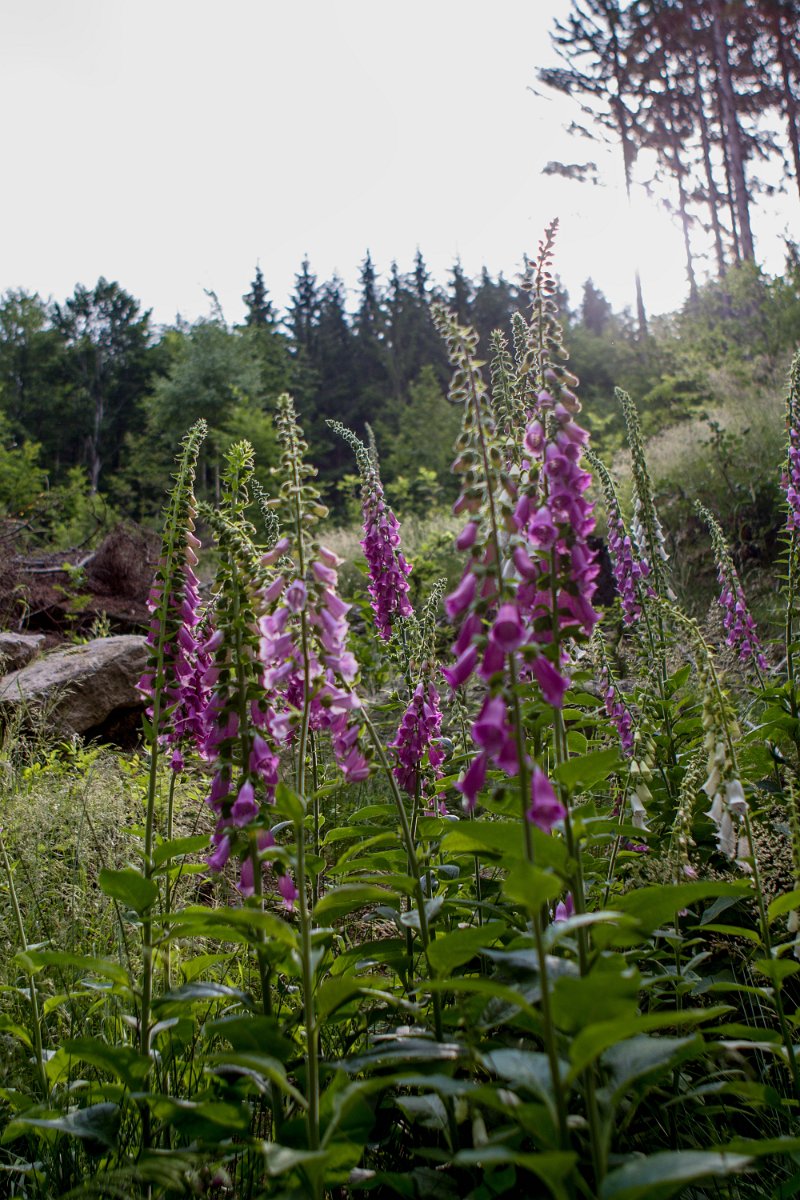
pixel 388 568
pixel 546 809
pixel 418 735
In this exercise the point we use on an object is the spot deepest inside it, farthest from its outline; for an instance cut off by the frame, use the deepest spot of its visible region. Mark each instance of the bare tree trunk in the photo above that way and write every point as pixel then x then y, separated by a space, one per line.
pixel 714 199
pixel 790 105
pixel 628 149
pixel 732 135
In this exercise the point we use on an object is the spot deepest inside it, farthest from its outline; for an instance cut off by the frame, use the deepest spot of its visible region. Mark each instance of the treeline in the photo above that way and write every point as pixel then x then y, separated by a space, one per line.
pixel 708 87
pixel 94 398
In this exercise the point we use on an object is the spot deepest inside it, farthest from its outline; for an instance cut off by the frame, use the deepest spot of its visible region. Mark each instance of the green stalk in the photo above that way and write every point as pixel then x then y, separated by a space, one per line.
pixel 413 861
pixel 36 1020
pixel 167 886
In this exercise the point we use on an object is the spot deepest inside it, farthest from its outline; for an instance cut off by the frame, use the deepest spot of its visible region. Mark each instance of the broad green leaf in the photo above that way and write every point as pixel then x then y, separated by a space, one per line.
pixel 451 950
pixel 587 769
pixel 288 803
pixel 33 961
pixel 178 847
pixel 251 1031
pixel 658 904
pixel 349 897
pixel 644 1056
pixel 97 1126
pixel 336 991
pixel 551 1167
pixel 501 838
pixel 783 904
pixel 261 1068
pixel 123 1062
pixel 776 969
pixel 219 922
pixel 505 840
pixel 530 886
pixel 207 1120
pixel 659 1176
pixel 609 993
pixel 591 1042
pixel 128 887
pixel 525 1069
pixel 12 1029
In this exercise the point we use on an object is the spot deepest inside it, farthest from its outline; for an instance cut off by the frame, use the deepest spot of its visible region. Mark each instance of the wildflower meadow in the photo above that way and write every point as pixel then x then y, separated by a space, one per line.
pixel 492 891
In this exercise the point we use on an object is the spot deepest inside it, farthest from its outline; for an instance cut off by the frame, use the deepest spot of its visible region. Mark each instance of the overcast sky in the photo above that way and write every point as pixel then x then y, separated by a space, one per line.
pixel 170 144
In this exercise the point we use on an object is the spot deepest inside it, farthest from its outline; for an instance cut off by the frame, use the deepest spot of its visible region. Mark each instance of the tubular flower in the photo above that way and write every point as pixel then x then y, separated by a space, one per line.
pixel 740 628
pixel 388 569
pixel 418 735
pixel 791 475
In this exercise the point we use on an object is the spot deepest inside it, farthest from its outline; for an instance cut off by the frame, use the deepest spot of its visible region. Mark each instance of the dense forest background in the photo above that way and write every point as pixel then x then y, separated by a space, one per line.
pixel 699 99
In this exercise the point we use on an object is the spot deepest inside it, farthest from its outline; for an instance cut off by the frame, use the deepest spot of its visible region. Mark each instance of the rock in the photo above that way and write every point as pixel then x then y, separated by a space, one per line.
pixel 17 649
pixel 81 688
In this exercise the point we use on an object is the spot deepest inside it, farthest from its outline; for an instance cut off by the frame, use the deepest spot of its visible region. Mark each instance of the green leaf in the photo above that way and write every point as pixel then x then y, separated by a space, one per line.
pixel 289 804
pixel 658 904
pixel 504 839
pixel 10 1027
pixel 582 772
pixel 591 1042
pixel 451 950
pixel 33 961
pixel 609 993
pixel 228 922
pixel 530 886
pixel 776 969
pixel 128 887
pixel 525 1069
pixel 178 847
pixel 551 1167
pixel 349 897
pixel 97 1126
pixel 261 1068
pixel 123 1062
pixel 783 904
pixel 501 838
pixel 643 1057
pixel 659 1176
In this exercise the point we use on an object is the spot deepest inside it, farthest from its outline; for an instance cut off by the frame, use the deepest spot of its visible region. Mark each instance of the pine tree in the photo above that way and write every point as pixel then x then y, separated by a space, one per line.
pixel 260 312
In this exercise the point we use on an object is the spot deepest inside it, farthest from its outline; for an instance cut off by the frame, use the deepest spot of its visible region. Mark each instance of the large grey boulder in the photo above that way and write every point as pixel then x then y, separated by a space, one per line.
pixel 80 687
pixel 17 649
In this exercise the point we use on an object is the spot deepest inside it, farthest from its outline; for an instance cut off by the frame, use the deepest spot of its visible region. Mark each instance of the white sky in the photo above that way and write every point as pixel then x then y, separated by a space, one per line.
pixel 169 144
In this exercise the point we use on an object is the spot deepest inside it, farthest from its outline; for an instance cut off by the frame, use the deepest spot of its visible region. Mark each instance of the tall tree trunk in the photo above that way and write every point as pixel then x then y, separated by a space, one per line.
pixel 628 149
pixel 726 163
pixel 711 183
pixel 683 208
pixel 789 102
pixel 731 132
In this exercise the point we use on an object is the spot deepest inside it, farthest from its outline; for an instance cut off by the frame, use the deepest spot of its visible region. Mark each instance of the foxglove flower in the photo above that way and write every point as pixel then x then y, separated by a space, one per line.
pixel 546 810
pixel 740 629
pixel 418 735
